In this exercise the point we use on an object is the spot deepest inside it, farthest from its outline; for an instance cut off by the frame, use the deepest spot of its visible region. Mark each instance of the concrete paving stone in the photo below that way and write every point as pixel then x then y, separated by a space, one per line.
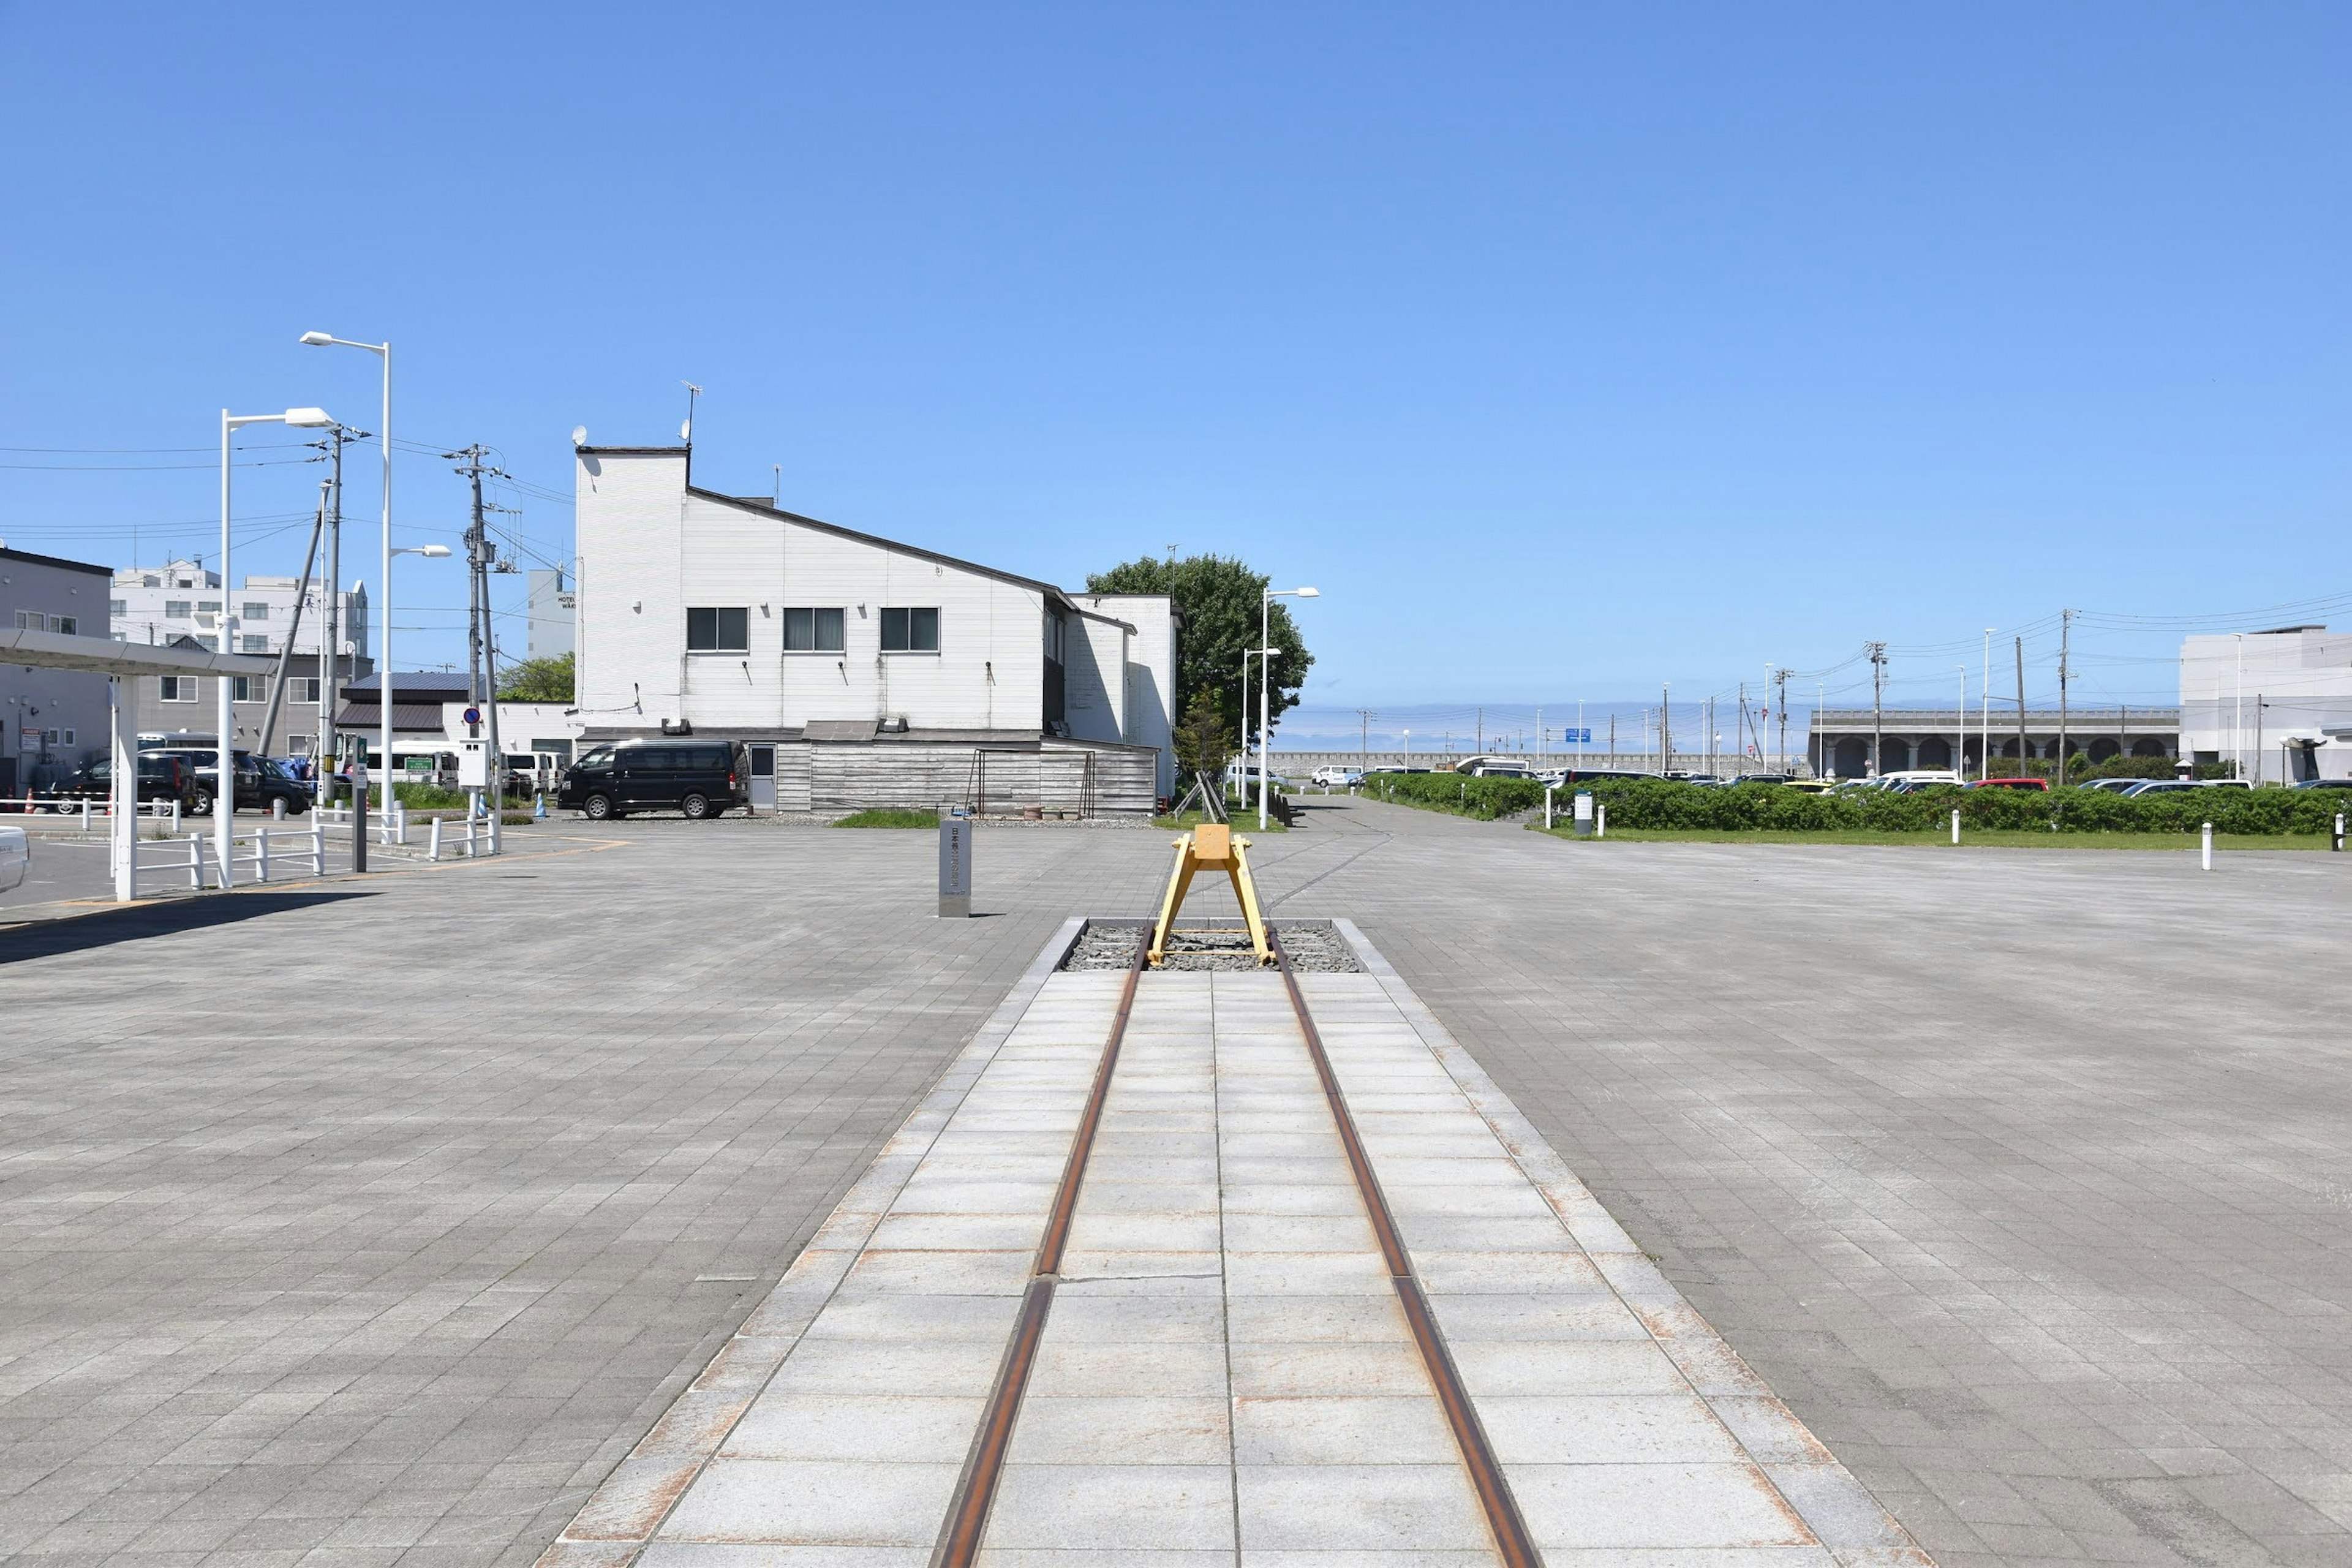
pixel 986 1318
pixel 1339 1430
pixel 1122 1430
pixel 1579 1429
pixel 1113 1506
pixel 1095 1369
pixel 859 1503
pixel 1652 1505
pixel 1331 1508
pixel 1305 1274
pixel 898 1428
pixel 1377 1367
pixel 1302 1320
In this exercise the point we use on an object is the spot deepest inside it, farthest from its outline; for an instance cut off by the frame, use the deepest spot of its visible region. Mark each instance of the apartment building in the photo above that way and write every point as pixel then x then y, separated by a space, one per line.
pixel 51 716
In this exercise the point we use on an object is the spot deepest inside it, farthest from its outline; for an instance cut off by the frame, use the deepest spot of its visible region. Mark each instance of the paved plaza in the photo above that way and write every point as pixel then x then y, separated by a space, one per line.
pixel 377 1222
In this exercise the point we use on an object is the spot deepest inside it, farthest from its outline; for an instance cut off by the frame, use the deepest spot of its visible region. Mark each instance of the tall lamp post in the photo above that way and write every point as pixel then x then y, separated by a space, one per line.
pixel 384 433
pixel 224 741
pixel 1265 662
pixel 384 683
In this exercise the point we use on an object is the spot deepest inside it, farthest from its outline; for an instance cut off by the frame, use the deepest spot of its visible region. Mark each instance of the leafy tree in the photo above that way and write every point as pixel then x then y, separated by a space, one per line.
pixel 1218 598
pixel 1202 741
pixel 539 681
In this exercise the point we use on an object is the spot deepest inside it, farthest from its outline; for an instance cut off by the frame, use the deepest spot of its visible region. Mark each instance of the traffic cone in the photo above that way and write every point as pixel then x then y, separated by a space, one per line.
pixel 538 805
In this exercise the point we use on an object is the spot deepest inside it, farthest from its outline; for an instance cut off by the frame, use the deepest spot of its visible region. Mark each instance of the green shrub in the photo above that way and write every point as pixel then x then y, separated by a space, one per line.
pixel 886 819
pixel 1484 799
pixel 1667 805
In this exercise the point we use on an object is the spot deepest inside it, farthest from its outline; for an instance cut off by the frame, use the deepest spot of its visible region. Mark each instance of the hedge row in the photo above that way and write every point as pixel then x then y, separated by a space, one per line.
pixel 1667 805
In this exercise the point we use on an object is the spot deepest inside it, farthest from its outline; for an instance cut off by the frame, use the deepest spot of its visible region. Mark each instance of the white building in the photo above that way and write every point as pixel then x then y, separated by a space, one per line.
pixel 2278 703
pixel 183 599
pixel 52 717
pixel 865 672
pixel 548 610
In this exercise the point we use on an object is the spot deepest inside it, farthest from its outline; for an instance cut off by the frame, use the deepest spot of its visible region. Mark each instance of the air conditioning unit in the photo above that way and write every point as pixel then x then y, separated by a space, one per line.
pixel 677 726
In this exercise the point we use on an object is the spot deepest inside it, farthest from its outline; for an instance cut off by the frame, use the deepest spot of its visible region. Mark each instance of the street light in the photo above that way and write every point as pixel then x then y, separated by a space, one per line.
pixel 384 685
pixel 1264 718
pixel 384 433
pixel 224 741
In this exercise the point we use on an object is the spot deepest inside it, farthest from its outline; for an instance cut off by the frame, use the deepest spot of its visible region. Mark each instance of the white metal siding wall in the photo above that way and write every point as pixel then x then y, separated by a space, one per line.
pixel 1151 673
pixel 630 534
pixel 1095 679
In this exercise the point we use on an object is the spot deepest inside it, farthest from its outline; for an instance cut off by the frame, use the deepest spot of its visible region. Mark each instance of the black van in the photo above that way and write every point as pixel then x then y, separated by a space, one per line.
pixel 700 778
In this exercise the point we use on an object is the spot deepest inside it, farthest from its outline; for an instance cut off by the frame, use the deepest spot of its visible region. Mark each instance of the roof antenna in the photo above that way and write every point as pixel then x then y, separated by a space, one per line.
pixel 778 502
pixel 686 431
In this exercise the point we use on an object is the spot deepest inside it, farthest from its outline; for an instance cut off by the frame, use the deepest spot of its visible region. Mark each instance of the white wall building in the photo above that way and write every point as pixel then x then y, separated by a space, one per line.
pixel 2278 703
pixel 181 598
pixel 52 717
pixel 878 673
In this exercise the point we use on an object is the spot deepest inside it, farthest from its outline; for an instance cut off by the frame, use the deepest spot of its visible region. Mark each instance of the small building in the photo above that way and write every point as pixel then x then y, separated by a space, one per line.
pixel 419 734
pixel 183 599
pixel 53 716
pixel 2277 704
pixel 863 671
pixel 549 608
pixel 1840 740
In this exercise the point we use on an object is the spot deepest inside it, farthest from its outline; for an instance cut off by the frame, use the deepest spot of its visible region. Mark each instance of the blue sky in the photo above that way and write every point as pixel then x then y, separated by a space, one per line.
pixel 1569 350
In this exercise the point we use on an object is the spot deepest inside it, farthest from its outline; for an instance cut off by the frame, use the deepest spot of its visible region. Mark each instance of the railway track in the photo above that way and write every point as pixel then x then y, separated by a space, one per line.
pixel 966 1528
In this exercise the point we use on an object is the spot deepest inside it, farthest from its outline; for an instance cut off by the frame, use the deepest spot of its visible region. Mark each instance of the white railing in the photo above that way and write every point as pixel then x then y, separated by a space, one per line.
pixel 256 856
pixel 480 838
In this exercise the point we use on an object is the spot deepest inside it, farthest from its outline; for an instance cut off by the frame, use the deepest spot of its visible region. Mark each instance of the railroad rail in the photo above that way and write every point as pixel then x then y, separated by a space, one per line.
pixel 966 1525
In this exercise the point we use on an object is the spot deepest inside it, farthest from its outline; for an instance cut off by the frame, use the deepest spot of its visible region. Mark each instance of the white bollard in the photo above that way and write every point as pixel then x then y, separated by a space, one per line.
pixel 197 862
pixel 497 826
pixel 2209 847
pixel 278 808
pixel 2339 842
pixel 261 853
pixel 433 841
pixel 1547 808
pixel 318 845
pixel 1956 825
pixel 176 816
pixel 1599 822
pixel 85 816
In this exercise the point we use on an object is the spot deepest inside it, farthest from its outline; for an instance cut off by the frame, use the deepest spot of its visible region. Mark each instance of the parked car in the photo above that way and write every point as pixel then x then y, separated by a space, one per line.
pixel 161 776
pixel 256 784
pixel 1761 778
pixel 1812 787
pixel 1332 776
pixel 700 778
pixel 1488 768
pixel 2042 785
pixel 1561 778
pixel 16 856
pixel 1395 768
pixel 2116 786
pixel 2179 787
pixel 2323 784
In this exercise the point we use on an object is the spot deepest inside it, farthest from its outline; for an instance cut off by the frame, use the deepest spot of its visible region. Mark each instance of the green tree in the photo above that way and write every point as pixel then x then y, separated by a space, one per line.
pixel 539 681
pixel 1218 598
pixel 1202 741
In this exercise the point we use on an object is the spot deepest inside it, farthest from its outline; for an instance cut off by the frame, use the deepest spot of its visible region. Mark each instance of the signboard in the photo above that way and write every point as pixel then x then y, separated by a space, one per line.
pixel 473 764
pixel 1584 814
pixel 472 715
pixel 955 867
pixel 1577 737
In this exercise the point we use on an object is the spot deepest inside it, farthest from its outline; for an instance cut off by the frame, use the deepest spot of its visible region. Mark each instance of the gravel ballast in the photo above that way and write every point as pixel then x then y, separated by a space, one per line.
pixel 1314 948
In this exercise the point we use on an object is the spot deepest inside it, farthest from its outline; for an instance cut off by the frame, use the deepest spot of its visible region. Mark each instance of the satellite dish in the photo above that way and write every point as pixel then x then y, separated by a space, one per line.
pixel 580 435
pixel 686 430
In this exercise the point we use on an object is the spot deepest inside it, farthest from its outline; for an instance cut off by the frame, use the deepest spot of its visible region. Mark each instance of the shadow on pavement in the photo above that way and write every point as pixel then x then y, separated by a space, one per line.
pixel 48 938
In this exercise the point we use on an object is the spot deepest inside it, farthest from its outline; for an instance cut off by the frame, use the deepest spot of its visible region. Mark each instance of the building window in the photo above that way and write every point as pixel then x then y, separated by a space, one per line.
pixel 118 607
pixel 719 631
pixel 30 620
pixel 247 643
pixel 256 611
pixel 178 687
pixel 178 609
pixel 910 631
pixel 70 737
pixel 69 624
pixel 210 644
pixel 815 631
pixel 302 689
pixel 298 745
pixel 243 692
pixel 208 606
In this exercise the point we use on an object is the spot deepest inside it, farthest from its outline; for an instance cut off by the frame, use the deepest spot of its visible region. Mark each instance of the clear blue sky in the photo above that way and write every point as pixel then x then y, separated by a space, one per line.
pixel 1568 349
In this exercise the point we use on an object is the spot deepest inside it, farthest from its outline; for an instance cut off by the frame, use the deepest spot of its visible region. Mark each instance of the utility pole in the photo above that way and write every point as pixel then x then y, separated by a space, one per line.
pixel 1877 703
pixel 1363 740
pixel 285 653
pixel 481 647
pixel 1665 730
pixel 1482 729
pixel 1780 706
pixel 2023 750
pixel 1740 739
pixel 2065 623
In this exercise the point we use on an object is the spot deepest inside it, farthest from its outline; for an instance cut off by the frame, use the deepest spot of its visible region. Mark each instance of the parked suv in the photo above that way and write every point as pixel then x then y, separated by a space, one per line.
pixel 1331 775
pixel 161 777
pixel 258 781
pixel 700 778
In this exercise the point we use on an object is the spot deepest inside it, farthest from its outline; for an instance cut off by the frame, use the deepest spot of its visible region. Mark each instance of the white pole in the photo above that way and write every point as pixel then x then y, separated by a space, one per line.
pixel 1984 698
pixel 318 845
pixel 261 854
pixel 223 742
pixel 2209 847
pixel 1956 825
pixel 2238 724
pixel 1599 821
pixel 1547 808
pixel 1265 614
pixel 432 844
pixel 1960 729
pixel 384 655
pixel 126 789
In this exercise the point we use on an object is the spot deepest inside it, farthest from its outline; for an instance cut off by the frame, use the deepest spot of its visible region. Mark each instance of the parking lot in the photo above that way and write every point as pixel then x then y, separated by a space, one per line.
pixel 373 1222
